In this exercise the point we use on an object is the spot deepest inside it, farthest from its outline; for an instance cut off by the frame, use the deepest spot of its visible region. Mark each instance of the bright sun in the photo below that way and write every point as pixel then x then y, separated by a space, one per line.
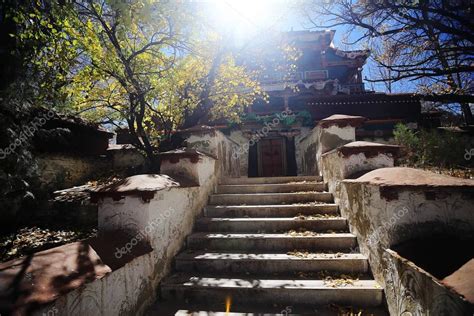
pixel 241 18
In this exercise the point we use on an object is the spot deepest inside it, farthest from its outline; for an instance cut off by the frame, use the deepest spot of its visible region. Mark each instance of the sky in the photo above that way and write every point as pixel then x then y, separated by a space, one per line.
pixel 254 20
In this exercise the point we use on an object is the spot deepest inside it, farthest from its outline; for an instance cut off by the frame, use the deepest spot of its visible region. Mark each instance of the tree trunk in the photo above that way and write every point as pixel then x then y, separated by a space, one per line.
pixel 467 113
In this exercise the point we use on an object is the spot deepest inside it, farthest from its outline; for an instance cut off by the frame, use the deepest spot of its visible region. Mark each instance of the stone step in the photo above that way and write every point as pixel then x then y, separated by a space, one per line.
pixel 268 263
pixel 271 188
pixel 278 224
pixel 317 292
pixel 179 308
pixel 270 210
pixel 209 313
pixel 270 180
pixel 271 242
pixel 270 198
pixel 285 311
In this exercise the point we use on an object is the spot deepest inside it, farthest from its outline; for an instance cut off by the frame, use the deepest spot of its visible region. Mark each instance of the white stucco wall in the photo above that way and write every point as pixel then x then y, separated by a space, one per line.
pixel 241 150
pixel 400 205
pixel 220 146
pixel 306 148
pixel 332 137
pixel 380 222
pixel 336 167
pixel 164 221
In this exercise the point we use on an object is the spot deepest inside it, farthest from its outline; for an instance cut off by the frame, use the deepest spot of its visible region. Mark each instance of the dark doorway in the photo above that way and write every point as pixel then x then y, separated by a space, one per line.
pixel 291 168
pixel 272 157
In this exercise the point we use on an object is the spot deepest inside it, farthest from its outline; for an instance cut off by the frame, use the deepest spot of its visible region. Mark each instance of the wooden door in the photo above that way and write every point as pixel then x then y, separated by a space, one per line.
pixel 271 157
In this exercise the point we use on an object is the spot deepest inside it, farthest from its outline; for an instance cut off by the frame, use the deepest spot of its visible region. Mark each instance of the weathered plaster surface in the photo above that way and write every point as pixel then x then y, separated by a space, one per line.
pixel 326 136
pixel 160 217
pixel 126 291
pixel 162 222
pixel 241 150
pixel 217 144
pixel 331 137
pixel 410 289
pixel 197 168
pixel 381 221
pixel 306 149
pixel 337 167
pixel 126 158
pixel 300 150
pixel 388 206
pixel 59 171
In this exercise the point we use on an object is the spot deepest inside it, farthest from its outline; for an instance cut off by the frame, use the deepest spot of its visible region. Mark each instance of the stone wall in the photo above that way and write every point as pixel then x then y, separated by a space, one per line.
pixel 213 142
pixel 387 207
pixel 241 150
pixel 125 156
pixel 306 148
pixel 59 171
pixel 353 160
pixel 143 223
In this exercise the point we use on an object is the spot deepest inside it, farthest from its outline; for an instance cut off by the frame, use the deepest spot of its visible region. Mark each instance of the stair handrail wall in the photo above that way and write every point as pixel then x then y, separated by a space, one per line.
pixel 328 134
pixel 155 213
pixel 386 206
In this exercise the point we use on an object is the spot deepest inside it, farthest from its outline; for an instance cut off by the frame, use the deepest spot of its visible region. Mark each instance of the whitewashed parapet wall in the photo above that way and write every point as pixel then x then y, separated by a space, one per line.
pixel 213 142
pixel 354 159
pixel 143 223
pixel 389 206
pixel 157 212
pixel 328 134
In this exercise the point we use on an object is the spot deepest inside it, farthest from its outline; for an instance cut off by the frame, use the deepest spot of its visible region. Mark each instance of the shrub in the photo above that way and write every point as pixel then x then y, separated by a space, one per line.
pixel 433 147
pixel 409 141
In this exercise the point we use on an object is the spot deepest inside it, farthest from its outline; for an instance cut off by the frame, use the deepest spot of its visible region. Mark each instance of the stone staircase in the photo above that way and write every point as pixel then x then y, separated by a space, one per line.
pixel 270 246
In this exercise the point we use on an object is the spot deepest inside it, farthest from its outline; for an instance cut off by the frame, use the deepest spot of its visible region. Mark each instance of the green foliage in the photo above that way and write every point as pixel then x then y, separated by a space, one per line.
pixel 445 149
pixel 407 138
pixel 432 147
pixel 44 42
pixel 139 63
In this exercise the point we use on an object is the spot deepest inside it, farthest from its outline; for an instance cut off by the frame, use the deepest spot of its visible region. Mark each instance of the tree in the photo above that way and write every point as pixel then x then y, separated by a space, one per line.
pixel 433 41
pixel 386 53
pixel 136 62
pixel 18 92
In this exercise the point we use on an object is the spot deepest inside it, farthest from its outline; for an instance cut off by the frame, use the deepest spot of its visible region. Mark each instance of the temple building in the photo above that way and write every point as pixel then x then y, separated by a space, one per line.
pixel 327 81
